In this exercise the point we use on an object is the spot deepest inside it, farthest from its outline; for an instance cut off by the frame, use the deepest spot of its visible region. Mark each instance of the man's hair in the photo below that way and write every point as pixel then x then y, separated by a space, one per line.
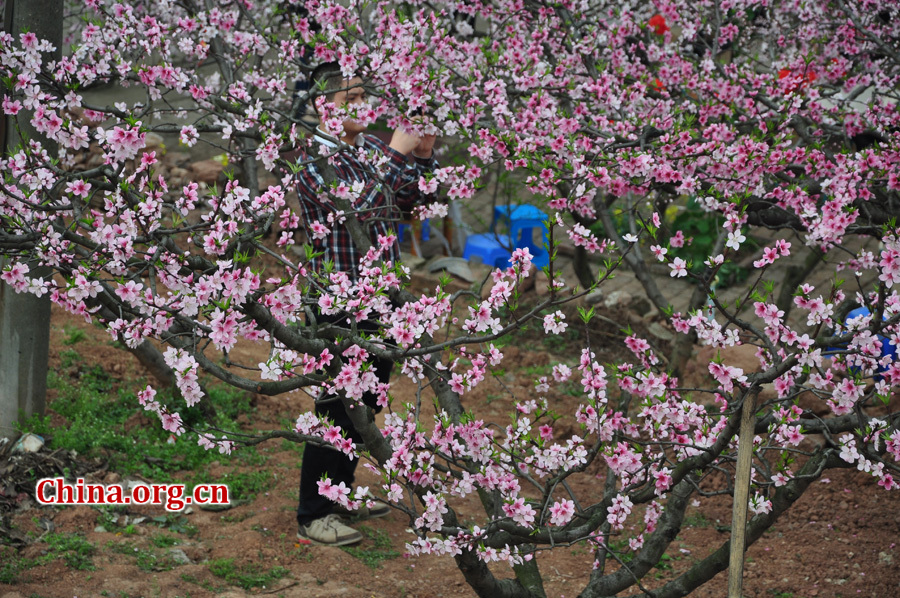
pixel 326 79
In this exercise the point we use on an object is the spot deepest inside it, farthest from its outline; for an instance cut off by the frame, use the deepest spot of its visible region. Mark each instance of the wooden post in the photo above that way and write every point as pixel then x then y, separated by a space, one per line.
pixel 741 496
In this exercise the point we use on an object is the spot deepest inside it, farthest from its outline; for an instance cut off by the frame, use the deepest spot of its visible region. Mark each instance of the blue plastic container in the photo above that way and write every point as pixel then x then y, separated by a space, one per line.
pixel 887 349
pixel 491 248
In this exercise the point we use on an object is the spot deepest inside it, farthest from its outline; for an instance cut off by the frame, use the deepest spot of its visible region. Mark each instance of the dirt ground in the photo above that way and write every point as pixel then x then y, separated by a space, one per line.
pixel 840 539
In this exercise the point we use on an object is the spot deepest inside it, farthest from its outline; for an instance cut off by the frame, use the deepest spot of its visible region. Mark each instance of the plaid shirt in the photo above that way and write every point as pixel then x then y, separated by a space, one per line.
pixel 390 186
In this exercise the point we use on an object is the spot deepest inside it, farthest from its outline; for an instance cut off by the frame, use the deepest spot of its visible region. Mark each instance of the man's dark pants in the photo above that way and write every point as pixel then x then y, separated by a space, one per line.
pixel 319 462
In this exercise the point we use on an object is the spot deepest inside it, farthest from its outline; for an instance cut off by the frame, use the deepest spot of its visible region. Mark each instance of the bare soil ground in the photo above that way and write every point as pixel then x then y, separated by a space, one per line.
pixel 840 540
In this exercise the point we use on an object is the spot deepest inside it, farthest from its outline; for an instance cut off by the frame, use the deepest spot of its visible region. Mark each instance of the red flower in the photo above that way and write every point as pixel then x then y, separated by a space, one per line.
pixel 658 22
pixel 805 80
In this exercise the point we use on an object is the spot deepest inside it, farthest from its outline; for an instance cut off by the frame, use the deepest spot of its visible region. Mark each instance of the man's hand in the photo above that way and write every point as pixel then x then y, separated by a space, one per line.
pixel 404 142
pixel 425 147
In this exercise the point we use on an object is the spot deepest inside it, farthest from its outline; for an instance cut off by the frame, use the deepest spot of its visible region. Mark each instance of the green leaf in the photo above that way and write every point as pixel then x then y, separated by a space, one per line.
pixel 586 314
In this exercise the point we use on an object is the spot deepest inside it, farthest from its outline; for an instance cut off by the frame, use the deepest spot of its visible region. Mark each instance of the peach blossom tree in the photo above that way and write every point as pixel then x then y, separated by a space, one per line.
pixel 771 117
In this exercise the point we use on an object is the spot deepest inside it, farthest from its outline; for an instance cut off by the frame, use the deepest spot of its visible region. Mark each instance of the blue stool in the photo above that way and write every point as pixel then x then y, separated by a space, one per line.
pixel 521 220
pixel 887 349
pixel 492 249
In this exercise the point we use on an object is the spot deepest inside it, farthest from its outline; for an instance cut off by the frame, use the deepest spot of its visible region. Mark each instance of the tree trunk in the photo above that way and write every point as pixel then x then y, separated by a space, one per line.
pixel 24 347
pixel 25 319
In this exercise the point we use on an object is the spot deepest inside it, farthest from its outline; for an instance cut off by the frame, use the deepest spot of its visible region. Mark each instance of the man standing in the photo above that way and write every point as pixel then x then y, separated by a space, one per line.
pixel 386 192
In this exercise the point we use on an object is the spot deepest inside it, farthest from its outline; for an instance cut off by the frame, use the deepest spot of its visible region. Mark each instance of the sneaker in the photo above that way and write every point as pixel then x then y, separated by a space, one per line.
pixel 362 513
pixel 329 531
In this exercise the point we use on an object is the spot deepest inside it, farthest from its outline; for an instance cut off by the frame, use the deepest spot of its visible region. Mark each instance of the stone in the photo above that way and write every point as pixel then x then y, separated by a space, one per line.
pixel 411 261
pixel 154 143
pixel 132 484
pixel 594 297
pixel 207 171
pixel 661 332
pixel 179 556
pixel 617 299
pixel 217 507
pixel 435 246
pixel 651 315
pixel 456 266
pixel 638 305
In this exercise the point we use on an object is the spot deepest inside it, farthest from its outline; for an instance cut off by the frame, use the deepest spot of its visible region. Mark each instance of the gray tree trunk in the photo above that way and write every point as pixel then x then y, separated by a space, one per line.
pixel 25 319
